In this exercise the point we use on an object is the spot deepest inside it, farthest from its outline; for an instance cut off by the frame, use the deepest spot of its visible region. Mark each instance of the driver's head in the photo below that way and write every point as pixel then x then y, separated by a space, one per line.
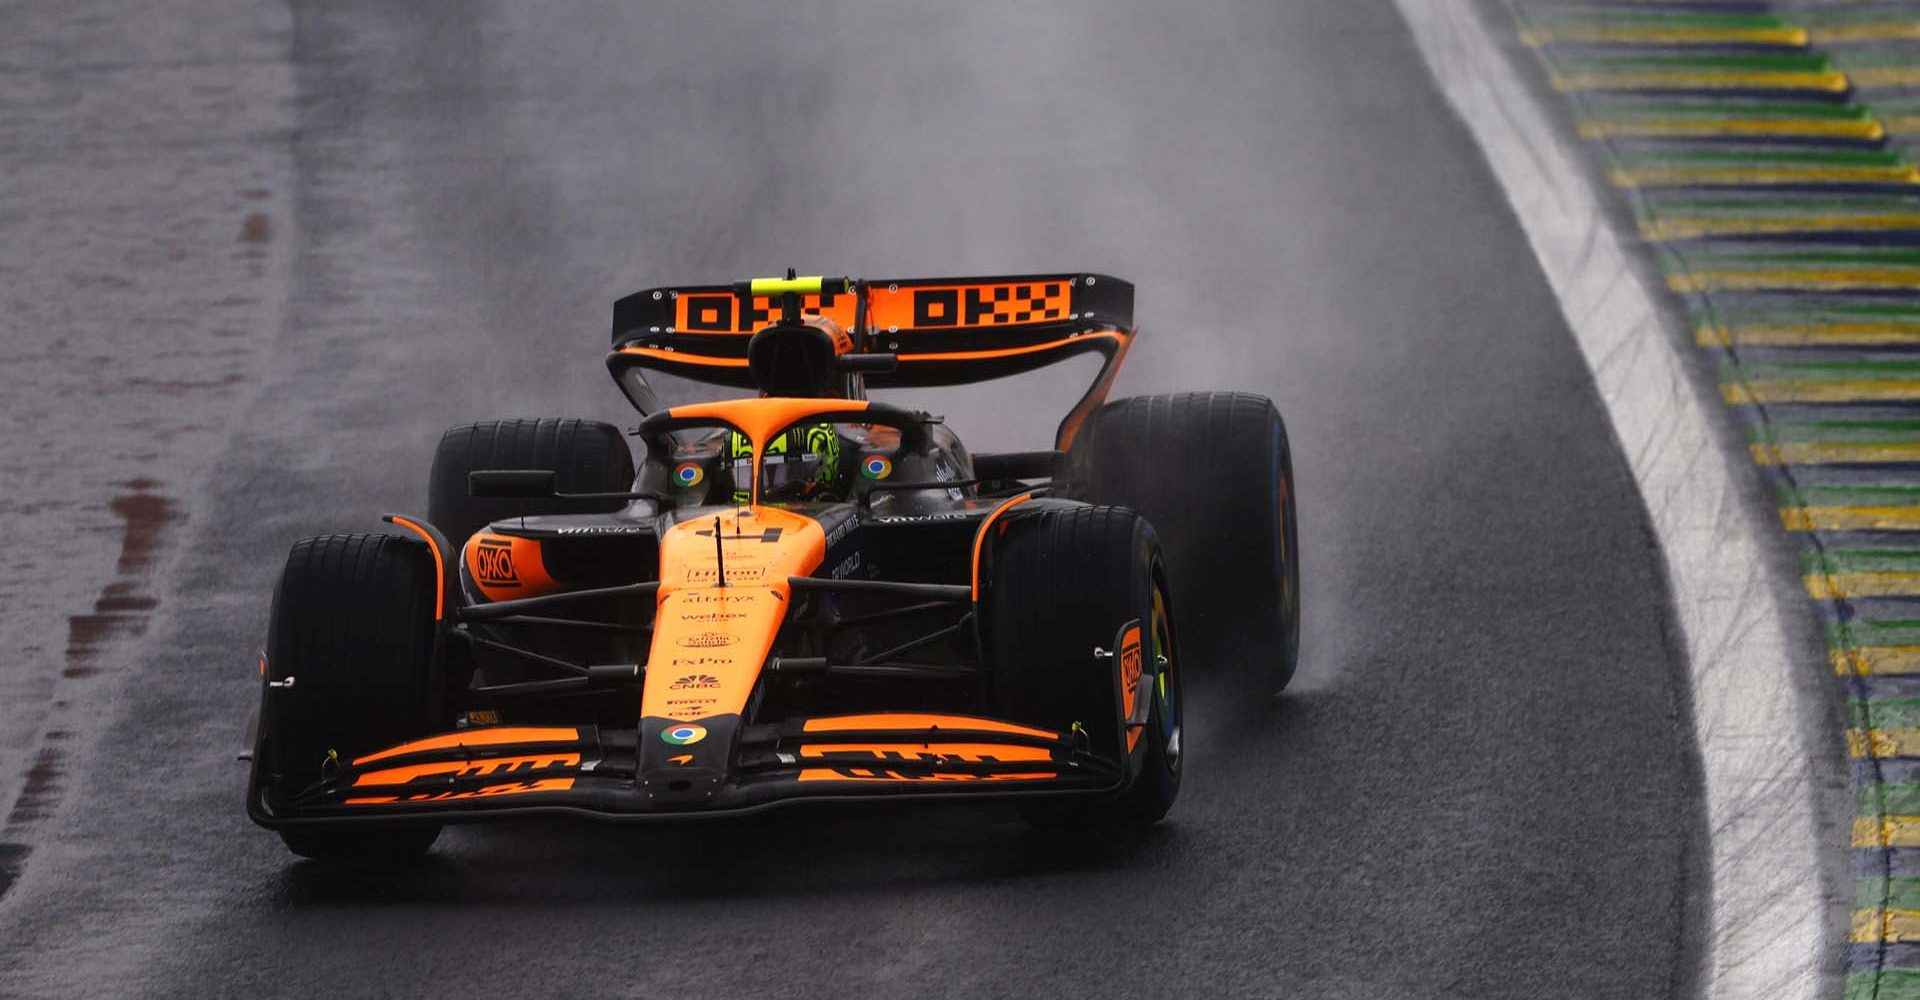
pixel 800 465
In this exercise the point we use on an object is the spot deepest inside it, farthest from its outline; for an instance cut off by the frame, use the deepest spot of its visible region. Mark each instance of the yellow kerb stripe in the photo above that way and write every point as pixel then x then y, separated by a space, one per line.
pixel 1683 228
pixel 1899 173
pixel 1821 335
pixel 1874 661
pixel 1885 76
pixel 1785 278
pixel 1891 31
pixel 1850 518
pixel 1828 80
pixel 1883 743
pixel 1856 128
pixel 1873 926
pixel 1815 453
pixel 1821 391
pixel 1848 586
pixel 1886 831
pixel 1663 36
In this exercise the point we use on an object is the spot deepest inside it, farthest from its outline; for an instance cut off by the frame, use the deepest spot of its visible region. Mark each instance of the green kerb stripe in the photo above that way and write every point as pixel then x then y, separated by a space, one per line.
pixel 1838 432
pixel 1888 984
pixel 1849 496
pixel 1863 561
pixel 1899 893
pixel 1812 371
pixel 1763 63
pixel 1758 159
pixel 1891 713
pixel 1866 634
pixel 1889 800
pixel 1734 109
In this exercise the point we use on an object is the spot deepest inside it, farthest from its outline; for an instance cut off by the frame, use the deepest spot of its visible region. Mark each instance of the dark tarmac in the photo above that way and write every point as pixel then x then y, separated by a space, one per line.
pixel 1479 786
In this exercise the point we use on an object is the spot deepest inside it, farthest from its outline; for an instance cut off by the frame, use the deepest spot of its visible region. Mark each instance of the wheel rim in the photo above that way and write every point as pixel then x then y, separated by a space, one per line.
pixel 1166 679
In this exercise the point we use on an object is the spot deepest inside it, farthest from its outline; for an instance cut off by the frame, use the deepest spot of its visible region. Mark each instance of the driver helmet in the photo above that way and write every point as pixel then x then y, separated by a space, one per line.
pixel 800 465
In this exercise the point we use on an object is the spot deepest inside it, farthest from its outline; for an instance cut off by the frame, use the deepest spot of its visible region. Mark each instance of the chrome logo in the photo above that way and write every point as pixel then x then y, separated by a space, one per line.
pixel 681 736
pixel 876 467
pixel 689 474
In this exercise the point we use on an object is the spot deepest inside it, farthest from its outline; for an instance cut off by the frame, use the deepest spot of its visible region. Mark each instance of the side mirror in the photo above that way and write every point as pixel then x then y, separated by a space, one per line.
pixel 506 484
pixel 869 363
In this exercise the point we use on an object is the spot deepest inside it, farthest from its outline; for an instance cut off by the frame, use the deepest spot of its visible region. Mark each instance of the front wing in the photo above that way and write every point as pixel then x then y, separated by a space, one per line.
pixel 492 772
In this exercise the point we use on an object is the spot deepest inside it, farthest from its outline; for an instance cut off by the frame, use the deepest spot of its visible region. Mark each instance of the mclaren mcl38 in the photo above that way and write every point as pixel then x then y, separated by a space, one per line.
pixel 798 593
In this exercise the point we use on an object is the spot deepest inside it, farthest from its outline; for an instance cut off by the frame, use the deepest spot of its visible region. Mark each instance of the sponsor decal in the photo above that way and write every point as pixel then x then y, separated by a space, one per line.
pixel 712 616
pixel 735 574
pixel 707 640
pixel 702 661
pixel 684 735
pixel 508 769
pixel 847 567
pixel 603 529
pixel 840 531
pixel 680 759
pixel 493 562
pixel 912 518
pixel 689 474
pixel 692 681
pixel 876 467
pixel 704 597
pixel 690 708
pixel 870 765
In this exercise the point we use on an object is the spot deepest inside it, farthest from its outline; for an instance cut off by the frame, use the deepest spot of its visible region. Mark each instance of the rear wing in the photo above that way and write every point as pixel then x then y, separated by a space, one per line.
pixel 939 331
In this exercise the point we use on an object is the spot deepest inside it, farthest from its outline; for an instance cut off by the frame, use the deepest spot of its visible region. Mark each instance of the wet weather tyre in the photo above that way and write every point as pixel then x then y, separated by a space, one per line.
pixel 1213 472
pixel 351 668
pixel 1063 582
pixel 587 456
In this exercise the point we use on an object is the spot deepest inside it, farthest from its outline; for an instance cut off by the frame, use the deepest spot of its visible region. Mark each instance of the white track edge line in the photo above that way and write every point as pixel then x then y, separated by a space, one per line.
pixel 1768 914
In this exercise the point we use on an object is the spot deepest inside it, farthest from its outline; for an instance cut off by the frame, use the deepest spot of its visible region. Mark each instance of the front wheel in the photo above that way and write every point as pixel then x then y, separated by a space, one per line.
pixel 351 669
pixel 1063 583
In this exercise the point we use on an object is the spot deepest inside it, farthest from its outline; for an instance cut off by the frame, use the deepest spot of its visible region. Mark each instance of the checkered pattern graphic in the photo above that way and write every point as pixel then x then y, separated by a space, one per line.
pixel 1027 304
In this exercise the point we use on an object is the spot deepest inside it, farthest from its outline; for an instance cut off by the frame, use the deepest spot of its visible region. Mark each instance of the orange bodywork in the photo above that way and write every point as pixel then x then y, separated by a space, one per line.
pixel 868 761
pixel 980 535
pixel 709 640
pixel 513 773
pixel 506 567
pixel 1096 393
pixel 917 721
pixel 762 419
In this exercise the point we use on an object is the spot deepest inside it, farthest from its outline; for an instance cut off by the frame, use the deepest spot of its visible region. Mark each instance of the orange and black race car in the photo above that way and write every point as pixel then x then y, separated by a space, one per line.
pixel 802 595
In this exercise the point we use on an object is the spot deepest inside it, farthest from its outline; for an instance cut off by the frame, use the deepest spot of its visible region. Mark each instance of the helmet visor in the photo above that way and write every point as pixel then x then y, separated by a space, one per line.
pixel 786 478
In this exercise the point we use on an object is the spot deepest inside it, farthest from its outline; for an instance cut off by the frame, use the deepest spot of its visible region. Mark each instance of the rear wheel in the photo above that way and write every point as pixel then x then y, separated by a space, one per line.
pixel 351 669
pixel 587 457
pixel 1214 473
pixel 1063 582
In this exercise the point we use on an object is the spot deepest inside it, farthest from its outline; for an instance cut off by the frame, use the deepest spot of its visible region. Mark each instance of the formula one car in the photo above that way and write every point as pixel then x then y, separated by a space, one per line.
pixel 802 595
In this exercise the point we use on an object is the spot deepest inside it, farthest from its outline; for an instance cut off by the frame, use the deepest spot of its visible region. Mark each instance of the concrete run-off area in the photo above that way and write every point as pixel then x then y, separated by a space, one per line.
pixel 1762 154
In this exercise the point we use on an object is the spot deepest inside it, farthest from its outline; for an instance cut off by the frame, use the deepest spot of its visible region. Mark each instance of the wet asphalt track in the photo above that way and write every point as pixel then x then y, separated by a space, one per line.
pixel 1478 787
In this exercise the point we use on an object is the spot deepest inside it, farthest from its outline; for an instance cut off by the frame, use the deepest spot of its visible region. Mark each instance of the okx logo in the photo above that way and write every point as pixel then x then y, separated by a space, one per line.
pixel 493 564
